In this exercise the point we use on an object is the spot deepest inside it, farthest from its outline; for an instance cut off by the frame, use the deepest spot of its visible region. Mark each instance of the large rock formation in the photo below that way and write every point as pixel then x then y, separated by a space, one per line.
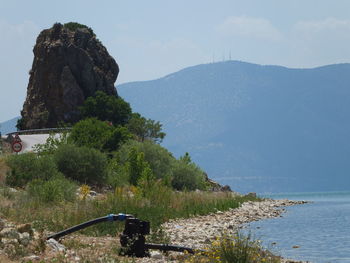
pixel 69 65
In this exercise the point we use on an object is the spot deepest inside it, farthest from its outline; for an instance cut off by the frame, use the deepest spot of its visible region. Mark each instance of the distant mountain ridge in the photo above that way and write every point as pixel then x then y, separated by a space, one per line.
pixel 256 128
pixel 8 126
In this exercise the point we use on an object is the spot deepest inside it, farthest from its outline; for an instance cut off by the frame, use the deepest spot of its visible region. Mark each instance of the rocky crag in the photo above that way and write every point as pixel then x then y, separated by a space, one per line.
pixel 70 64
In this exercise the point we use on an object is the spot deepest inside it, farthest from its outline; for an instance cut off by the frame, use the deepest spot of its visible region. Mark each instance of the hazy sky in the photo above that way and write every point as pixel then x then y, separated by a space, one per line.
pixel 152 38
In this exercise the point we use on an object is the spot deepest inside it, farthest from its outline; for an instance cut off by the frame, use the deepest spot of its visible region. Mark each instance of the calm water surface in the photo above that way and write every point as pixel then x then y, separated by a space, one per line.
pixel 321 229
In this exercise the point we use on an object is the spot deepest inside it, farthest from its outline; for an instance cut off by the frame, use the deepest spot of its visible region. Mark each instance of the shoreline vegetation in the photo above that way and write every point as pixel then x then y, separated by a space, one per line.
pixel 195 221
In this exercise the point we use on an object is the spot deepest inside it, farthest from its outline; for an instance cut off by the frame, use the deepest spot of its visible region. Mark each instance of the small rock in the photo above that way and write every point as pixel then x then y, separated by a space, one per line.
pixel 156 255
pixel 9 233
pixel 9 241
pixel 296 246
pixel 2 224
pixel 55 245
pixel 12 190
pixel 31 258
pixel 93 193
pixel 24 238
pixel 251 195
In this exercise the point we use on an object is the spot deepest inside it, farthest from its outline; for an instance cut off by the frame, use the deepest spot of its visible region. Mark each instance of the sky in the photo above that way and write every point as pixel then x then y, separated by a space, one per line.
pixel 153 38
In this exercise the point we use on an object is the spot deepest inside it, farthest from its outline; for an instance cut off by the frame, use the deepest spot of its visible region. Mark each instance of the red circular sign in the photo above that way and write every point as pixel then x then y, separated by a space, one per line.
pixel 17 147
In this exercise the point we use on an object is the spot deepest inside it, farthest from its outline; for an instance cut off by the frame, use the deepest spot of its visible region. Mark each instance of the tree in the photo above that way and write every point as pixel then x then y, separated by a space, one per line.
pixel 137 166
pixel 98 134
pixel 106 108
pixel 159 159
pixel 186 158
pixel 187 175
pixel 20 124
pixel 145 129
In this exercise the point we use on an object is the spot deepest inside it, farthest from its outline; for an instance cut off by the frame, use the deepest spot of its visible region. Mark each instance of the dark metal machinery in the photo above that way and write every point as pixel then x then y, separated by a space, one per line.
pixel 132 239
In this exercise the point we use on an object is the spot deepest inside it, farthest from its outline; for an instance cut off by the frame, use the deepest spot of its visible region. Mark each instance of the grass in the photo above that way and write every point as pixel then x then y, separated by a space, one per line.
pixel 3 169
pixel 160 205
pixel 238 249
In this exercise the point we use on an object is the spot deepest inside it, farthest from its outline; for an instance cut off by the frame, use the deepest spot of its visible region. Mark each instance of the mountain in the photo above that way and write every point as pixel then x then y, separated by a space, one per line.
pixel 256 128
pixel 8 126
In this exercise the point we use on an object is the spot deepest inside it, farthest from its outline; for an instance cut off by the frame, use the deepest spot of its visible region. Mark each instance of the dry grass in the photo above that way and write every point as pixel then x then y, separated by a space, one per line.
pixel 238 249
pixel 157 206
pixel 5 259
pixel 3 169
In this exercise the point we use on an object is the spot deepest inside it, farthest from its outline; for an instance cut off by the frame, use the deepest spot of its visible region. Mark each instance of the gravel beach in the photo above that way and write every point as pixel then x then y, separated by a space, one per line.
pixel 197 232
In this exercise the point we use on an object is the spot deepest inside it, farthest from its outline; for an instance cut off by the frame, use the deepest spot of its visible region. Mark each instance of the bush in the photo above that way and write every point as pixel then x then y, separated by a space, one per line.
pixel 82 164
pixel 187 176
pixel 56 189
pixel 117 174
pixel 159 159
pixel 237 248
pixel 51 144
pixel 29 166
pixel 145 129
pixel 98 134
pixel 73 26
pixel 106 108
pixel 183 173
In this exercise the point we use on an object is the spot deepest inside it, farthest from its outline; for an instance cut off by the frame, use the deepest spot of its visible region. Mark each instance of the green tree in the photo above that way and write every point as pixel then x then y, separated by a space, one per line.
pixel 20 124
pixel 160 159
pixel 186 158
pixel 51 144
pixel 136 166
pixel 106 108
pixel 145 129
pixel 98 134
pixel 73 26
pixel 187 175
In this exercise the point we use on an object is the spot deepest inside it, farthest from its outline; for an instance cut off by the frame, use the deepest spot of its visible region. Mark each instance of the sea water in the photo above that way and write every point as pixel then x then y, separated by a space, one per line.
pixel 318 232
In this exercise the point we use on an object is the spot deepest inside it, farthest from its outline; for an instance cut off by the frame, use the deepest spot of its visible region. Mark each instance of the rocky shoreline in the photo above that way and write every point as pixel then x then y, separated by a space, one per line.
pixel 198 232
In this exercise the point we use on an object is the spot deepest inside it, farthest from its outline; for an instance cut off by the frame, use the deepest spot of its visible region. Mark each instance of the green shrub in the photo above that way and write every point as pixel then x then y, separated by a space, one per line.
pixel 29 166
pixel 136 166
pixel 187 176
pixel 82 164
pixel 237 248
pixel 73 26
pixel 183 173
pixel 106 108
pixel 117 175
pixel 56 189
pixel 98 134
pixel 51 144
pixel 145 129
pixel 118 136
pixel 159 159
